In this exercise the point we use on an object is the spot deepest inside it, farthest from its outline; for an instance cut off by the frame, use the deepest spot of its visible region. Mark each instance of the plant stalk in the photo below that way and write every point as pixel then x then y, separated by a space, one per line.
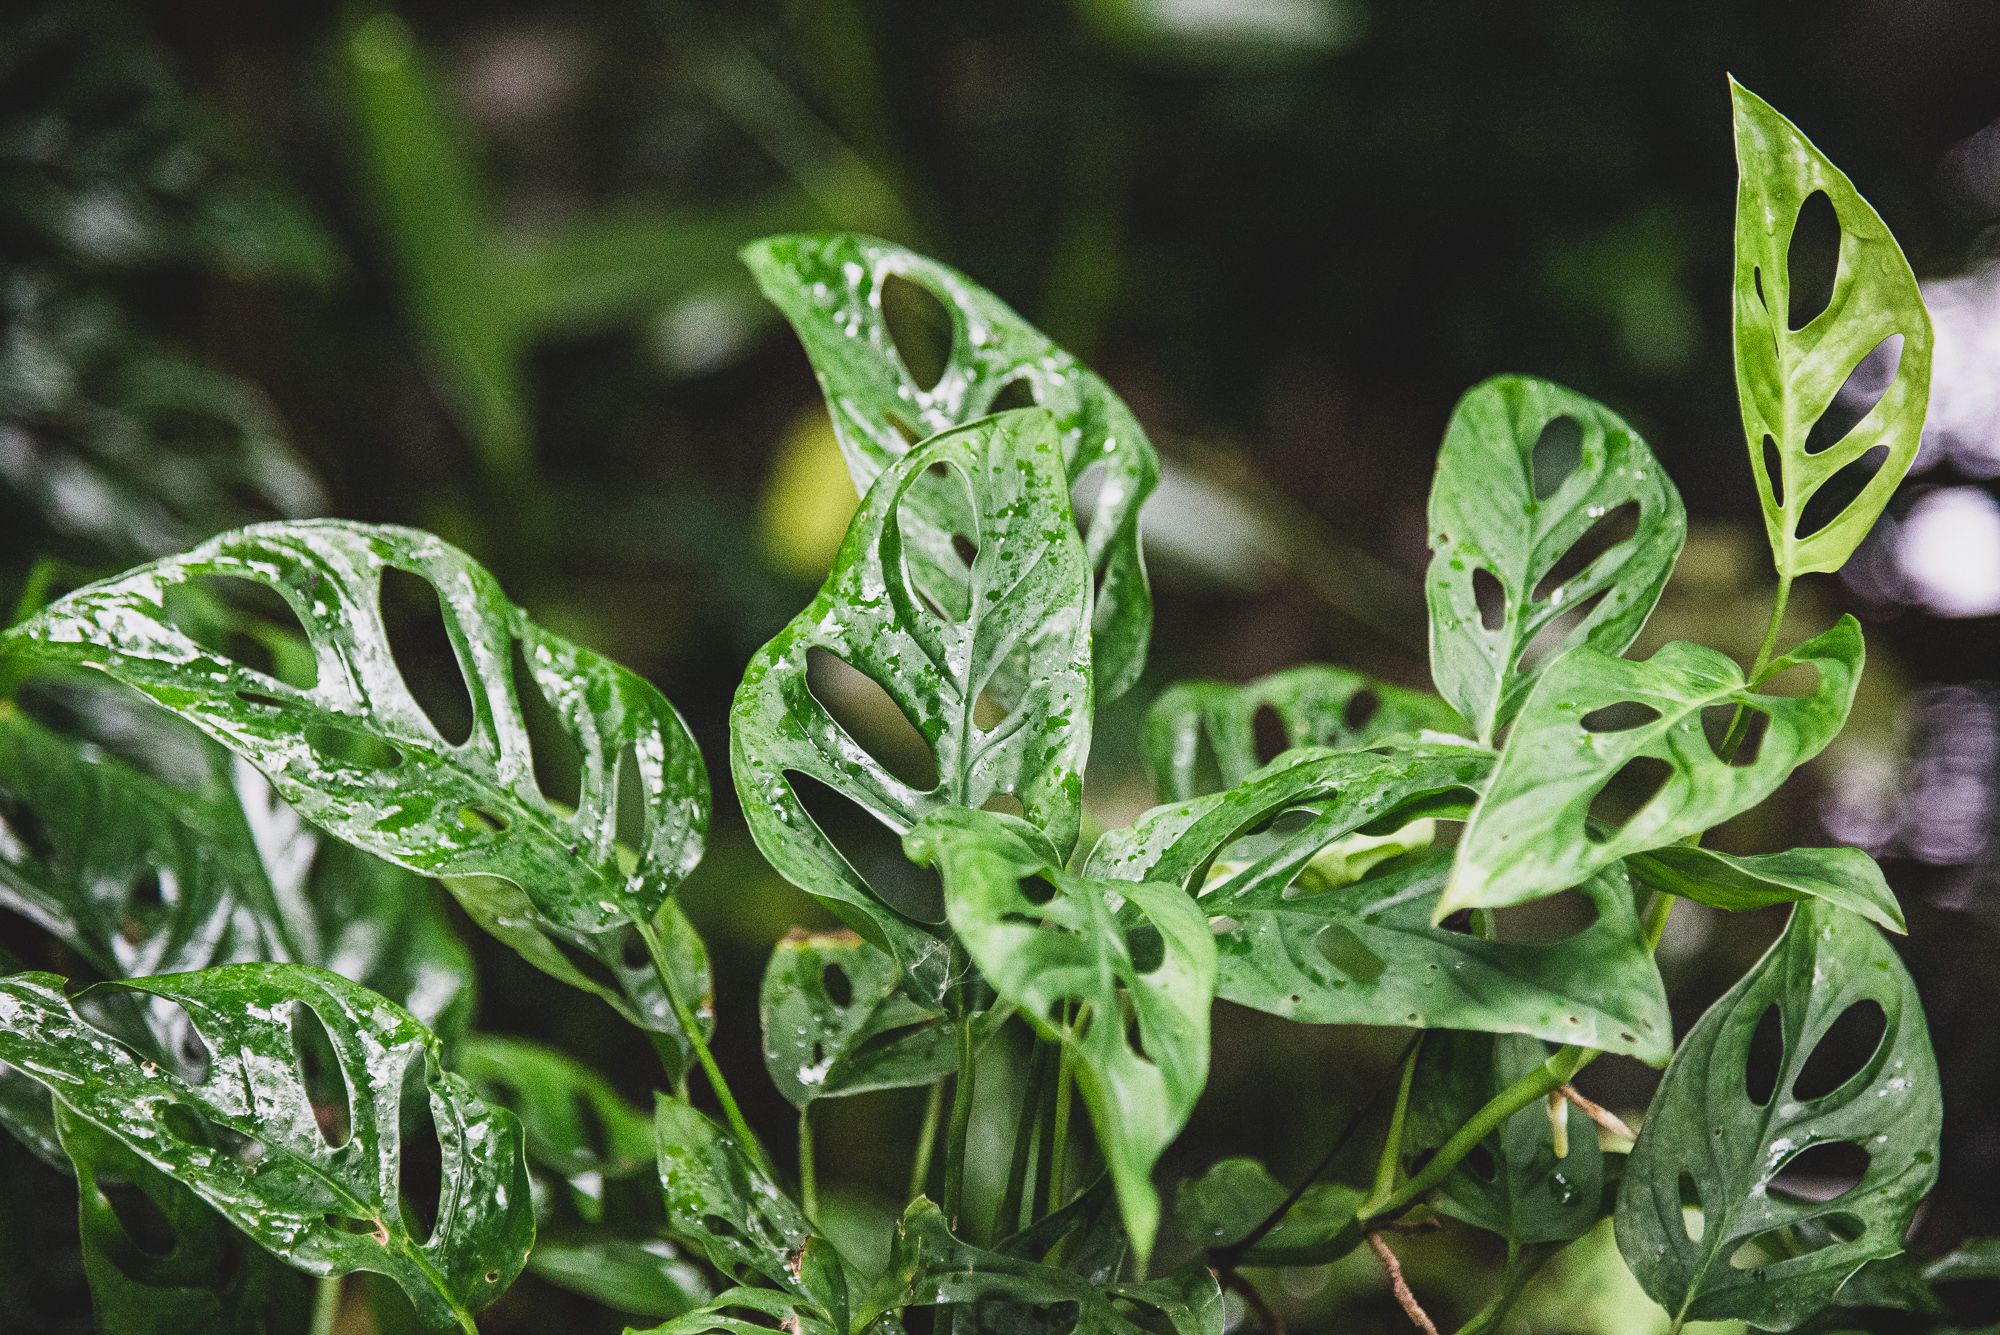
pixel 964 1089
pixel 1392 1141
pixel 920 1165
pixel 1007 1218
pixel 808 1167
pixel 657 950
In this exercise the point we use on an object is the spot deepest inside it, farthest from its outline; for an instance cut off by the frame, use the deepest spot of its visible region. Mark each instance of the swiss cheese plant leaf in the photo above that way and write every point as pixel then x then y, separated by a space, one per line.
pixel 837 1021
pixel 574 1123
pixel 1788 375
pixel 831 290
pixel 1721 1134
pixel 1026 603
pixel 1221 1208
pixel 1295 942
pixel 1314 705
pixel 246 1135
pixel 1844 876
pixel 1593 718
pixel 189 1271
pixel 1499 520
pixel 356 753
pixel 1075 954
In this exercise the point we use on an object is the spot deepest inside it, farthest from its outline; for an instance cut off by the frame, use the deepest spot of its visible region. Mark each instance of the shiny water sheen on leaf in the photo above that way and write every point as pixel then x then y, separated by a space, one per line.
pixel 1844 876
pixel 816 1046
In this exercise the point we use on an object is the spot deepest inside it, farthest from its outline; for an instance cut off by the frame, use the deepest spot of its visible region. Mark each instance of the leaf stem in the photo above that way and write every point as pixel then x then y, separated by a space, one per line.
pixel 1390 1161
pixel 1044 1198
pixel 963 1090
pixel 1008 1217
pixel 808 1166
pixel 326 1306
pixel 920 1165
pixel 1058 1190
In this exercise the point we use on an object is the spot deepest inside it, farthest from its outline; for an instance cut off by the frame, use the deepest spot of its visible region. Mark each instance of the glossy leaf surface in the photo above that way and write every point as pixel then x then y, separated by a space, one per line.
pixel 245 1136
pixel 1708 1132
pixel 1531 834
pixel 1490 512
pixel 573 1122
pixel 1844 876
pixel 1073 952
pixel 1028 605
pixel 1313 705
pixel 837 1021
pixel 1225 1205
pixel 830 288
pixel 1789 378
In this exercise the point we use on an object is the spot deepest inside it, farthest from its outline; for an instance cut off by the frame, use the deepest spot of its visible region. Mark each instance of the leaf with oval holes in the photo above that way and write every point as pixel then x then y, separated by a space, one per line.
pixel 750 1311
pixel 1592 716
pixel 1294 942
pixel 1493 518
pixel 160 1260
pixel 246 1136
pixel 837 1021
pixel 1071 952
pixel 1313 705
pixel 831 287
pixel 357 754
pixel 1029 601
pixel 1514 1184
pixel 1844 876
pixel 1706 1132
pixel 1225 1205
pixel 1789 377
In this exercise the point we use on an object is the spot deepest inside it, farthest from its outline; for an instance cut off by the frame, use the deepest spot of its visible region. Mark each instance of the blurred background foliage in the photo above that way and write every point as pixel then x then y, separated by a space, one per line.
pixel 473 268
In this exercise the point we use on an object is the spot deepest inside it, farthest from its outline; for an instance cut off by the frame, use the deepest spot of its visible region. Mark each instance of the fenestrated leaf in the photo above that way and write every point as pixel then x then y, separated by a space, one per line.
pixel 356 753
pixel 1531 834
pixel 1314 705
pixel 1844 876
pixel 1331 951
pixel 1225 1205
pixel 191 1272
pixel 830 289
pixel 1490 512
pixel 721 1203
pixel 1787 378
pixel 245 1137
pixel 573 1122
pixel 1706 1129
pixel 1514 1184
pixel 837 1021
pixel 737 1312
pixel 1027 604
pixel 1073 954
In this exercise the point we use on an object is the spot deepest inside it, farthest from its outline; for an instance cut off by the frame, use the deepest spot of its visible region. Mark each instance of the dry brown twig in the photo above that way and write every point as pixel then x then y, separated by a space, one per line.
pixel 1599 1114
pixel 1400 1287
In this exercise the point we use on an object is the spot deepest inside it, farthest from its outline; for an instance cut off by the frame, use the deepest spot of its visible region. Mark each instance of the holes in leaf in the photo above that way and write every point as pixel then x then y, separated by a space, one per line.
pixel 1491 597
pixel 1774 469
pixel 1812 261
pixel 348 746
pixel 358 1227
pixel 633 815
pixel 1692 1220
pixel 1823 1172
pixel 22 834
pixel 319 1071
pixel 1620 717
pixel 1625 794
pixel 419 1156
pixel 244 621
pixel 144 899
pixel 1775 1244
pixel 1005 804
pixel 1016 393
pixel 1796 681
pixel 839 988
pixel 179 1040
pixel 1858 394
pixel 1269 736
pixel 558 761
pixel 1844 1051
pixel 1085 491
pixel 414 618
pixel 1716 722
pixel 1203 770
pixel 1147 948
pixel 874 851
pixel 965 549
pixel 1611 529
pixel 933 515
pixel 1360 710
pixel 1135 1037
pixel 920 329
pixel 1479 1161
pixel 871 716
pixel 1826 505
pixel 1557 452
pixel 1546 921
pixel 482 819
pixel 1766 1057
pixel 1347 952
pixel 1037 890
pixel 140 1218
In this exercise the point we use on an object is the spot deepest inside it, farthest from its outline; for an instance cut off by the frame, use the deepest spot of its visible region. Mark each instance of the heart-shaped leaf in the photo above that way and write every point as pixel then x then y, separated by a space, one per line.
pixel 1844 876
pixel 1223 1206
pixel 245 1134
pixel 1027 604
pixel 837 1021
pixel 1718 1139
pixel 1072 952
pixel 1313 705
pixel 1593 716
pixel 1788 378
pixel 1495 516
pixel 831 289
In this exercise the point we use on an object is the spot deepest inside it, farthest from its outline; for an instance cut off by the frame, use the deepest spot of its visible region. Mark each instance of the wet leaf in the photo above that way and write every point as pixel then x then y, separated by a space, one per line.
pixel 1844 876
pixel 830 287
pixel 1789 378
pixel 1532 834
pixel 1028 605
pixel 643 1276
pixel 1225 1205
pixel 1708 1134
pixel 1492 515
pixel 573 1122
pixel 1314 705
pixel 722 1204
pixel 837 1021
pixel 1121 973
pixel 247 1137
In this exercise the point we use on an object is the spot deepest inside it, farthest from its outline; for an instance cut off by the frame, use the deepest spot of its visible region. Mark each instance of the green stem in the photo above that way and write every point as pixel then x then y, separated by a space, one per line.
pixel 657 950
pixel 1739 723
pixel 963 1090
pixel 1008 1217
pixel 920 1165
pixel 1058 1174
pixel 1523 1264
pixel 808 1168
pixel 326 1306
pixel 1392 1141
pixel 1044 1199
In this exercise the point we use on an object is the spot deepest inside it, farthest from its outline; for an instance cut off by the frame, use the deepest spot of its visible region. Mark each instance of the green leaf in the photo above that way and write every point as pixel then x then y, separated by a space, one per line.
pixel 1225 1205
pixel 1706 1132
pixel 1844 876
pixel 1073 952
pixel 244 1134
pixel 643 1276
pixel 1028 600
pixel 719 1316
pixel 1316 705
pixel 189 1272
pixel 1532 833
pixel 721 1203
pixel 1514 1184
pixel 574 1123
pixel 1788 379
pixel 837 1021
pixel 1491 513
pixel 358 756
pixel 831 289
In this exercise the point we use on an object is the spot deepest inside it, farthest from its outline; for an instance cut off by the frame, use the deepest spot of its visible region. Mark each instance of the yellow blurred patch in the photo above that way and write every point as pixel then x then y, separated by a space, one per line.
pixel 808 501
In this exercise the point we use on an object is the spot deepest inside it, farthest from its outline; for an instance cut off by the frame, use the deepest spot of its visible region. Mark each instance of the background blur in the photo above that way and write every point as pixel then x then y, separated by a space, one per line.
pixel 472 268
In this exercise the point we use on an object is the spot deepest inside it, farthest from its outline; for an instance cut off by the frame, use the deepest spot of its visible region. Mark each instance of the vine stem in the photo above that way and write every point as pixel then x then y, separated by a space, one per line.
pixel 1008 1217
pixel 657 950
pixel 963 1091
pixel 920 1165
pixel 326 1306
pixel 808 1166
pixel 1387 1165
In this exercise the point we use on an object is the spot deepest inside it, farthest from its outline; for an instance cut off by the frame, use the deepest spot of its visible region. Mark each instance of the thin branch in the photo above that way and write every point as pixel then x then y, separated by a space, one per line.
pixel 1599 1114
pixel 1411 1308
